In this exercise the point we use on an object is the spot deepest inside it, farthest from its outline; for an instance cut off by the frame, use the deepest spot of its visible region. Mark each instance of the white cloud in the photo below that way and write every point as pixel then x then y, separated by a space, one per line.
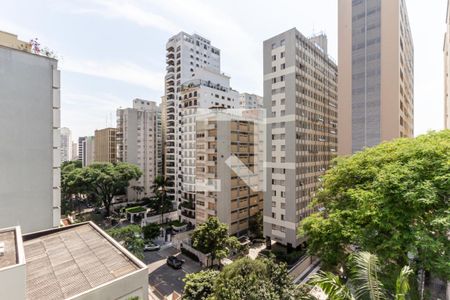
pixel 128 10
pixel 122 71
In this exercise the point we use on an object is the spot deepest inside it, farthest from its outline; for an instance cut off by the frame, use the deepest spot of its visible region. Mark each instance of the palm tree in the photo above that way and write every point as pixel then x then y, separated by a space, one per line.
pixel 159 189
pixel 364 282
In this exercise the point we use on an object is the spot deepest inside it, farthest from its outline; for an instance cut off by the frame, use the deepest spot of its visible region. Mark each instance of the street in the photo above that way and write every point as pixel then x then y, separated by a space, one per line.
pixel 164 280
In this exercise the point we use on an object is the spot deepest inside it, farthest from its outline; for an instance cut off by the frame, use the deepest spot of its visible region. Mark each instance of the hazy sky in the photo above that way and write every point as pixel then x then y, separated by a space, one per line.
pixel 113 51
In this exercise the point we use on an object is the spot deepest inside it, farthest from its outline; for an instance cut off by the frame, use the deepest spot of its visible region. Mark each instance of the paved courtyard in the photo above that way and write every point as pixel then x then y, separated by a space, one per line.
pixel 164 280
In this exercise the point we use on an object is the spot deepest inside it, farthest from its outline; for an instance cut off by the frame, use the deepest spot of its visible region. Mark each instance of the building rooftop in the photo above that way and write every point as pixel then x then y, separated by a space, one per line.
pixel 68 261
pixel 8 252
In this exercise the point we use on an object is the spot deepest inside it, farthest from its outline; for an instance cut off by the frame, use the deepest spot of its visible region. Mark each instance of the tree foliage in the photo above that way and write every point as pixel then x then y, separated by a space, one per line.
pixel 104 180
pixel 151 231
pixel 212 237
pixel 129 237
pixel 390 200
pixel 363 283
pixel 255 279
pixel 160 203
pixel 200 285
pixel 255 226
pixel 244 279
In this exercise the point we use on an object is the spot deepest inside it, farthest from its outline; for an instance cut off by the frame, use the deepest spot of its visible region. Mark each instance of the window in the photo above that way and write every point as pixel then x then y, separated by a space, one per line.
pixel 274 57
pixel 274 80
pixel 273 215
pixel 274 204
pixel 282 54
pixel 281 78
pixel 274 69
pixel 283 66
pixel 282 217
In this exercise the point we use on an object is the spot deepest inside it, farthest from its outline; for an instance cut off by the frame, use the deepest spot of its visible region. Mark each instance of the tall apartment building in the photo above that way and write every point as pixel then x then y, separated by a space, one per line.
pixel 447 70
pixel 105 145
pixel 206 89
pixel 30 155
pixel 66 144
pixel 231 197
pixel 300 96
pixel 86 150
pixel 376 73
pixel 249 101
pixel 139 143
pixel 184 53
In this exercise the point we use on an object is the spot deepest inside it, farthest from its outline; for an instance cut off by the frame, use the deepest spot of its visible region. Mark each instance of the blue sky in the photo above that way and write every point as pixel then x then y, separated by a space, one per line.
pixel 112 51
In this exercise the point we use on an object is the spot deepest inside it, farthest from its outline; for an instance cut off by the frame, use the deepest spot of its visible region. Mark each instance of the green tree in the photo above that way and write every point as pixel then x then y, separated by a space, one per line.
pixel 200 285
pixel 212 237
pixel 161 203
pixel 129 237
pixel 255 279
pixel 104 180
pixel 363 283
pixel 151 231
pixel 391 200
pixel 69 191
pixel 255 226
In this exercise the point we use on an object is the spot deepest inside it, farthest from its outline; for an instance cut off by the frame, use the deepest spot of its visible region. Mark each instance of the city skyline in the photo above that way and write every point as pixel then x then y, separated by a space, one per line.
pixel 99 77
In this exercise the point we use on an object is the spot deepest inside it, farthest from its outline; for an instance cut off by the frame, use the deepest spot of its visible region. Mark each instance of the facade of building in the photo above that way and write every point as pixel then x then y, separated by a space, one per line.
pixel 66 144
pixel 139 143
pixel 300 98
pixel 30 155
pixel 75 262
pixel 249 101
pixel 105 145
pixel 376 73
pixel 447 70
pixel 184 54
pixel 86 150
pixel 74 155
pixel 206 89
pixel 233 198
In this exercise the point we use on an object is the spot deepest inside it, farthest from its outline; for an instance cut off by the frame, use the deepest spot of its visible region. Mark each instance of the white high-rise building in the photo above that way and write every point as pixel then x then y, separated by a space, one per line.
pixel 139 143
pixel 185 54
pixel 66 144
pixel 206 89
pixel 86 148
pixel 250 101
pixel 30 155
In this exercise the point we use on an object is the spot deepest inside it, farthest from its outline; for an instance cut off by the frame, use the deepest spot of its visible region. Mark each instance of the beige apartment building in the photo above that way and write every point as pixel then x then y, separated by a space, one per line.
pixel 300 96
pixel 222 190
pixel 376 73
pixel 446 71
pixel 105 145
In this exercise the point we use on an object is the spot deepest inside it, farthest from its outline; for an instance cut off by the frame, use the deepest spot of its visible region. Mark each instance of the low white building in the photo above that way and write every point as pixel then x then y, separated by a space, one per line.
pixel 75 262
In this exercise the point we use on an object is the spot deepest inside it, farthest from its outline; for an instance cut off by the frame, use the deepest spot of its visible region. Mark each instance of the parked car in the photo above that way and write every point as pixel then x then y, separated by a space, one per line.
pixel 174 262
pixel 151 247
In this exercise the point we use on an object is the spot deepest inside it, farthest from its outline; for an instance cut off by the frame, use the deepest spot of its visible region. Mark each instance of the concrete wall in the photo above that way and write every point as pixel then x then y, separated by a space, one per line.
pixel 29 155
pixel 135 284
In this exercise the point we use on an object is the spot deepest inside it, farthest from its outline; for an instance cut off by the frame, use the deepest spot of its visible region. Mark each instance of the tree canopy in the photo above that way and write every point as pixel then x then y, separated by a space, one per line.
pixel 200 285
pixel 104 180
pixel 130 237
pixel 212 237
pixel 151 231
pixel 391 200
pixel 243 279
